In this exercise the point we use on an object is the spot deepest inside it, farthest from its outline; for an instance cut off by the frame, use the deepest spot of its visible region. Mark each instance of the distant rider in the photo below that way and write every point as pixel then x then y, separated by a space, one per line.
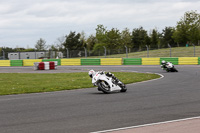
pixel 164 65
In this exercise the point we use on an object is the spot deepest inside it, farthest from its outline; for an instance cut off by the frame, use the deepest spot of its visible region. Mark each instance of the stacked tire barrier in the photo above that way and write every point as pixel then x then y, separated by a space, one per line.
pixel 52 65
pixel 45 65
pixel 41 66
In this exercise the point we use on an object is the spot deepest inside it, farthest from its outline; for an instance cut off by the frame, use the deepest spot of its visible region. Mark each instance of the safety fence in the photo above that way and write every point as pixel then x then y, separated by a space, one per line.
pixel 106 61
pixel 103 52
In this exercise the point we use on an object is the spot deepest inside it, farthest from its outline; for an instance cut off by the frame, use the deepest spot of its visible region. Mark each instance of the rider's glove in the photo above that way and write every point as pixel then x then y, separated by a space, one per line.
pixel 110 74
pixel 101 72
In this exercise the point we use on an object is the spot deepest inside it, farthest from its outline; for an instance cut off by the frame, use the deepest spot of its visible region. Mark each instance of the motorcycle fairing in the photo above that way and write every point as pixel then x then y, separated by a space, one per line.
pixel 103 77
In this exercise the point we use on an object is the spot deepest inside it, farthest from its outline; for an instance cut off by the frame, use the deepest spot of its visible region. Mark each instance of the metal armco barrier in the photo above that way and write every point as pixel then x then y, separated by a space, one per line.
pixel 30 62
pixel 111 61
pixel 102 61
pixel 68 62
pixel 150 61
pixel 173 60
pixel 90 61
pixel 16 62
pixel 188 61
pixel 4 62
pixel 132 61
pixel 199 60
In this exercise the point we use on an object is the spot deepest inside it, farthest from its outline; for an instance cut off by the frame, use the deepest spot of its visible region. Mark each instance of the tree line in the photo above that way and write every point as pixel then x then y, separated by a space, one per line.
pixel 187 31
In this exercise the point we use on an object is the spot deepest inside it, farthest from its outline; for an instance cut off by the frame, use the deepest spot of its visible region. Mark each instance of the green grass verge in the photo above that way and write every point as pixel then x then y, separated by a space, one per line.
pixel 164 52
pixel 19 83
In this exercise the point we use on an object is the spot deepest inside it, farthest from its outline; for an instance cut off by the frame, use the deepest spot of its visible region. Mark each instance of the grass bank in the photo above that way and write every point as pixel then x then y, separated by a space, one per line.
pixel 19 83
pixel 164 52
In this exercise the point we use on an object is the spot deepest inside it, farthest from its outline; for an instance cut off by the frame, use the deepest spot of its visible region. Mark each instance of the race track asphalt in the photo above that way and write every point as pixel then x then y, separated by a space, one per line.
pixel 176 96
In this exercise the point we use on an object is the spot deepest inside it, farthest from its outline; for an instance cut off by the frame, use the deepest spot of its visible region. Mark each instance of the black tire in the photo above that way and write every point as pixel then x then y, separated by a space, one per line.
pixel 175 70
pixel 123 88
pixel 104 86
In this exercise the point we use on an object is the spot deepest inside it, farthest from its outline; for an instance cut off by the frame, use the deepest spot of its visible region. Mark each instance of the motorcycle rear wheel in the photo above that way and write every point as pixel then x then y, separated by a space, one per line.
pixel 175 70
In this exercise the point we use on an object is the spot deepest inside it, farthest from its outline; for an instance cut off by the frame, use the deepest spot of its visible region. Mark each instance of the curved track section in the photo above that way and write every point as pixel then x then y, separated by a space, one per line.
pixel 176 96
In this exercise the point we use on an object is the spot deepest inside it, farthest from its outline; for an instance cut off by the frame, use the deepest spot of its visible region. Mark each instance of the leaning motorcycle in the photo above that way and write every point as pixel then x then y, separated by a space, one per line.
pixel 170 67
pixel 108 84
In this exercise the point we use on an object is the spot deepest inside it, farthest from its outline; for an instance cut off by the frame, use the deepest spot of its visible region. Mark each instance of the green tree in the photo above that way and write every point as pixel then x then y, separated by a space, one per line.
pixel 126 38
pixel 193 18
pixel 73 41
pixel 188 29
pixel 166 37
pixel 40 45
pixel 60 43
pixel 28 50
pixel 1 53
pixel 147 40
pixel 139 38
pixel 83 39
pixel 113 39
pixel 154 39
pixel 101 34
pixel 98 49
pixel 91 41
pixel 6 50
pixel 53 47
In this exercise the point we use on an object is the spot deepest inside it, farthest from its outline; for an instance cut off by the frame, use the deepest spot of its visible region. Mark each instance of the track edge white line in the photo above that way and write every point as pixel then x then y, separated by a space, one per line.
pixel 145 125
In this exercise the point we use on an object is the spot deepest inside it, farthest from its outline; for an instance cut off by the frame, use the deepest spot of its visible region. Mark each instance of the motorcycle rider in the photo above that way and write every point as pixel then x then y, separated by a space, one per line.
pixel 91 73
pixel 163 64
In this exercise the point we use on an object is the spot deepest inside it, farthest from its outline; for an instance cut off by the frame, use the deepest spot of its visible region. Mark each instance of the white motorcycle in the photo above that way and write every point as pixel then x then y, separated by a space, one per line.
pixel 170 67
pixel 108 84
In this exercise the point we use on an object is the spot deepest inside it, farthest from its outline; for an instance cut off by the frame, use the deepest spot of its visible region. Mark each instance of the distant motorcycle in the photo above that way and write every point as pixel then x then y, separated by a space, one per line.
pixel 108 84
pixel 169 67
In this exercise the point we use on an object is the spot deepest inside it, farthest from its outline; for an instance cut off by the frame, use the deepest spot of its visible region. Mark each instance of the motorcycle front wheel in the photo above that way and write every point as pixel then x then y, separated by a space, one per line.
pixel 104 86
pixel 123 88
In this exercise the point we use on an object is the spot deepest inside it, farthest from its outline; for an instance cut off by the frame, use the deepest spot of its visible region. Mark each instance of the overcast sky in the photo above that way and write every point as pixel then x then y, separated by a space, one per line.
pixel 24 22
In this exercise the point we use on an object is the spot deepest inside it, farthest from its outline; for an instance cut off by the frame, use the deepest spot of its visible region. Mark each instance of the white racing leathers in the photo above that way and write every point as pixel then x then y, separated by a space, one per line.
pixel 108 84
pixel 169 67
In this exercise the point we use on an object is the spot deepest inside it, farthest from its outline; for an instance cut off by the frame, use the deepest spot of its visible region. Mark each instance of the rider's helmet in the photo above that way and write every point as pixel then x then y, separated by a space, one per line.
pixel 163 62
pixel 91 73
